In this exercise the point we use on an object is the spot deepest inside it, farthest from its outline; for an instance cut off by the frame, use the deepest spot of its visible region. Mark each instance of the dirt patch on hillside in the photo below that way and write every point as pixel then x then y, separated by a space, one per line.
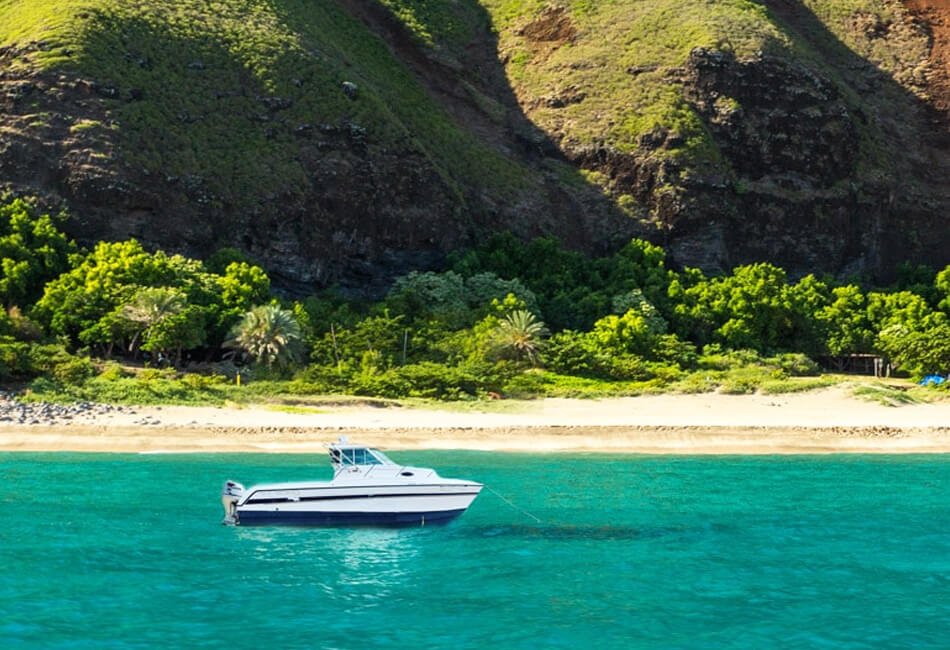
pixel 936 15
pixel 549 31
pixel 553 26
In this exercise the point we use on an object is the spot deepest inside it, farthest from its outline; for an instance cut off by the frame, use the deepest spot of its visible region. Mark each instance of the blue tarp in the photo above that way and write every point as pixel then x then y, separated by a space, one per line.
pixel 932 380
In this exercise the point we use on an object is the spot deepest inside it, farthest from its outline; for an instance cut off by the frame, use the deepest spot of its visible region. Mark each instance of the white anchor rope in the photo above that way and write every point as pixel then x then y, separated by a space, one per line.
pixel 521 510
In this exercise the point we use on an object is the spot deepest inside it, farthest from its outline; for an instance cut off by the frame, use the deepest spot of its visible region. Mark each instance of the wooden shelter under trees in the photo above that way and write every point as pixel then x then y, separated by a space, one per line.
pixel 857 364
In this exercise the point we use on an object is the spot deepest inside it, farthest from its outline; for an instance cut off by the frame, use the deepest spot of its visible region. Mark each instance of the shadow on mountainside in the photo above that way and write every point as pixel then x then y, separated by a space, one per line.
pixel 348 157
pixel 839 167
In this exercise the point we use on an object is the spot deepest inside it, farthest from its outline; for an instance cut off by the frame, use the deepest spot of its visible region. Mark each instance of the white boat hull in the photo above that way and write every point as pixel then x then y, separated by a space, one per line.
pixel 402 505
pixel 367 488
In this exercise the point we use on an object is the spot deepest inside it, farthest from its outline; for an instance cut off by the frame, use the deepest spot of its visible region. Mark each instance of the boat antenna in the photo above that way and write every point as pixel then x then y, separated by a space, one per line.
pixel 513 506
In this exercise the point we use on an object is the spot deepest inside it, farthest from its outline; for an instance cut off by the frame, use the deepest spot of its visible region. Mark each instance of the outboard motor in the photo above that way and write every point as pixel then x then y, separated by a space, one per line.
pixel 230 495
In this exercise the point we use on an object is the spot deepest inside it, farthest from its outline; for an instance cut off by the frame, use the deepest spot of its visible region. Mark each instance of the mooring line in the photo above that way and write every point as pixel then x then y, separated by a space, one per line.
pixel 522 510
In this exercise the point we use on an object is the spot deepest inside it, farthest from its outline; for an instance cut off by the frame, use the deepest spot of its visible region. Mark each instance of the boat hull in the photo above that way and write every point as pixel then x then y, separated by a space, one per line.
pixel 344 518
pixel 367 489
pixel 349 505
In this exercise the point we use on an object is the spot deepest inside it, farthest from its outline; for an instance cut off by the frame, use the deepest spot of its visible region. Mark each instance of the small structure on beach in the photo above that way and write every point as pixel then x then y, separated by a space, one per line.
pixel 858 364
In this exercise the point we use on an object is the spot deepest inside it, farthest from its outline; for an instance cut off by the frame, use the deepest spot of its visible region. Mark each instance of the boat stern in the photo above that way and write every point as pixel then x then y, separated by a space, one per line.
pixel 230 495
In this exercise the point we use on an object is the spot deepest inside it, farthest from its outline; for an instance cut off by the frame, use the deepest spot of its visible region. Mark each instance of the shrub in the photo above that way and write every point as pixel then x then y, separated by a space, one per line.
pixel 324 378
pixel 527 385
pixel 778 387
pixel 715 358
pixel 22 327
pixel 20 360
pixel 112 371
pixel 387 384
pixel 44 357
pixel 569 353
pixel 745 380
pixel 671 349
pixel 195 381
pixel 15 360
pixel 626 366
pixel 795 364
pixel 72 370
pixel 435 381
pixel 664 373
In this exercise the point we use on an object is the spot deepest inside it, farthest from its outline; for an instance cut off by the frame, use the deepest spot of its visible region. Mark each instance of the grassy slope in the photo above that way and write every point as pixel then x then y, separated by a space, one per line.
pixel 202 67
pixel 656 35
pixel 613 36
pixel 191 59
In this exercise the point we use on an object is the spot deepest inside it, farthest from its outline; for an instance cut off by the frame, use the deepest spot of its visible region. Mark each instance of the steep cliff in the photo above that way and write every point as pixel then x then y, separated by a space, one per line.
pixel 350 141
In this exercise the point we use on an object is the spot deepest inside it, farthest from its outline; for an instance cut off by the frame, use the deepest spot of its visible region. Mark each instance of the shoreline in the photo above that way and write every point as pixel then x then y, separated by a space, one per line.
pixel 820 422
pixel 653 440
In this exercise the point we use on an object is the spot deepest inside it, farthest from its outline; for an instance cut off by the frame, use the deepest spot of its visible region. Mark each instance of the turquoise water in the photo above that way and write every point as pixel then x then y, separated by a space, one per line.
pixel 125 551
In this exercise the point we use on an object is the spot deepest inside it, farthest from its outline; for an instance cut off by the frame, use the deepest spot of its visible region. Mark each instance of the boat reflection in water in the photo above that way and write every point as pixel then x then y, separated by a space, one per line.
pixel 367 489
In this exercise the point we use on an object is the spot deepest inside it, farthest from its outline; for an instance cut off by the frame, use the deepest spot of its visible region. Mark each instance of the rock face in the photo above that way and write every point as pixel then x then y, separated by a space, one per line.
pixel 843 171
pixel 364 211
pixel 793 147
pixel 794 185
pixel 772 117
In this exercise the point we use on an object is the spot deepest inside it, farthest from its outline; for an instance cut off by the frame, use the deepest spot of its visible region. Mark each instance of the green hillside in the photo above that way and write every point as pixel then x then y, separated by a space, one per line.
pixel 350 131
pixel 216 88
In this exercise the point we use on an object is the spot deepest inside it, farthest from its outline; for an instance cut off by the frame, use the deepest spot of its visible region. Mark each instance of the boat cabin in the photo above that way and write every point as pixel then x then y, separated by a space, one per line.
pixel 353 456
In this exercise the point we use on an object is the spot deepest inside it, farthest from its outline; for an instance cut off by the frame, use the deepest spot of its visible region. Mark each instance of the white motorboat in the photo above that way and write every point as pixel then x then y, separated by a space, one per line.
pixel 367 488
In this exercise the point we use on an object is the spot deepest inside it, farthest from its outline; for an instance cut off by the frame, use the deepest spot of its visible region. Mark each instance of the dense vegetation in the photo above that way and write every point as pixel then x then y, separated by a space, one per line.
pixel 508 317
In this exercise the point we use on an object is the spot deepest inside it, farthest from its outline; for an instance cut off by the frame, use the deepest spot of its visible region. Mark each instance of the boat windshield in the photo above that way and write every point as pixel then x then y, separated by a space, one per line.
pixel 348 456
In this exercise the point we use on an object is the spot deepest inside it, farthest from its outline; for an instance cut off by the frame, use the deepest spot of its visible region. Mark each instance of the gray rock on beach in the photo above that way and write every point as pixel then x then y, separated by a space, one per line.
pixel 47 414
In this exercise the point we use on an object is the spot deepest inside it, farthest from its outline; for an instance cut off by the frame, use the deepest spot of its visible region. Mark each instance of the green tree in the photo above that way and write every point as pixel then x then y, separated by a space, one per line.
pixel 568 285
pixel 845 321
pixel 806 298
pixel 33 251
pixel 901 308
pixel 85 303
pixel 632 333
pixel 942 289
pixel 754 308
pixel 150 306
pixel 519 335
pixel 221 259
pixel 448 300
pixel 430 296
pixel 638 266
pixel 179 331
pixel 107 278
pixel 269 335
pixel 231 295
pixel 919 352
pixel 381 337
pixel 919 279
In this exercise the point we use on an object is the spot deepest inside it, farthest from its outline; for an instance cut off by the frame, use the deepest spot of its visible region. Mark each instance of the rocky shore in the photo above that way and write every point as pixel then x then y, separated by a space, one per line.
pixel 46 414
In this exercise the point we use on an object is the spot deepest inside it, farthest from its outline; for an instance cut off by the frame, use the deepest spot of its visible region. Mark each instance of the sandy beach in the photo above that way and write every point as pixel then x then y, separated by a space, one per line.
pixel 825 421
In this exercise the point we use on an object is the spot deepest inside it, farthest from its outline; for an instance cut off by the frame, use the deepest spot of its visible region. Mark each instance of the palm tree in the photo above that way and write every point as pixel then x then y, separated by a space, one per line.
pixel 519 334
pixel 150 306
pixel 269 335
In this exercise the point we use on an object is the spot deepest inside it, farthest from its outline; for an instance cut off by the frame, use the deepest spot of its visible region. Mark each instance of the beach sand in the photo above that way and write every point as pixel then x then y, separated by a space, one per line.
pixel 825 421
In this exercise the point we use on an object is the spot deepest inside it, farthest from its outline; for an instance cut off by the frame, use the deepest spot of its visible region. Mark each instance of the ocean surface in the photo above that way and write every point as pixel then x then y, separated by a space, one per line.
pixel 127 551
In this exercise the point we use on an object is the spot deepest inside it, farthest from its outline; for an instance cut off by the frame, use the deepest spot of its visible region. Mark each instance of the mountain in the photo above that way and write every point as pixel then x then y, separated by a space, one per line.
pixel 349 141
